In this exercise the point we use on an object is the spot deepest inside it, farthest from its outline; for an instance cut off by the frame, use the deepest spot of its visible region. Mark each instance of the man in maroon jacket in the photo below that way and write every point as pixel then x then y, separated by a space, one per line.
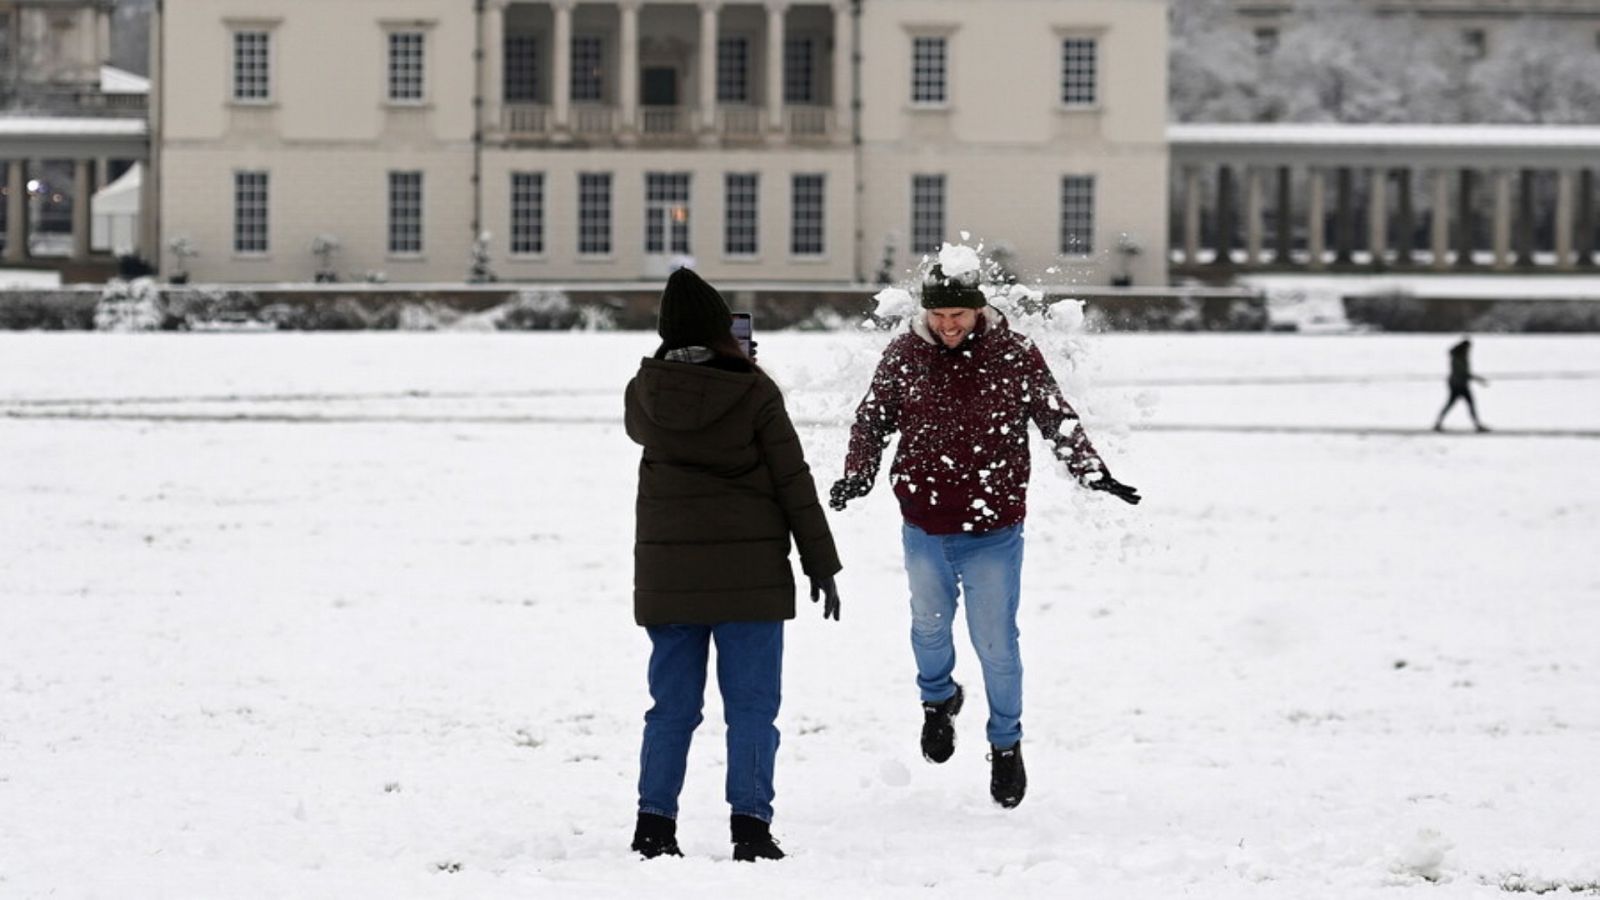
pixel 960 387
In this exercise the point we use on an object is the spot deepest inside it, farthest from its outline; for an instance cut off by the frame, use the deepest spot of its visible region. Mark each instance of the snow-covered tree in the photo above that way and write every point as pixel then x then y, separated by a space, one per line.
pixel 1214 70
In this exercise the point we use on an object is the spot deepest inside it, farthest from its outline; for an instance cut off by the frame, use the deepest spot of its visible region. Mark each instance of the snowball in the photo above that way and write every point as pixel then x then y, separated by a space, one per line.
pixel 894 773
pixel 894 303
pixel 958 259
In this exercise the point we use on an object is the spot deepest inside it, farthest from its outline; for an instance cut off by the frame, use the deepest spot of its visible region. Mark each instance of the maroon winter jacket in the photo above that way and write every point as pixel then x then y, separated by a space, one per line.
pixel 962 414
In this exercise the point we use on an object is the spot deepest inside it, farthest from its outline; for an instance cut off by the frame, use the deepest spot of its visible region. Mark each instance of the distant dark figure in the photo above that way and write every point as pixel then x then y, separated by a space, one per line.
pixel 1461 379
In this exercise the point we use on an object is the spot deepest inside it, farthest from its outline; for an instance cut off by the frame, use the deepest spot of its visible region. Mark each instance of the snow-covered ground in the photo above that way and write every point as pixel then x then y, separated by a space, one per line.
pixel 348 616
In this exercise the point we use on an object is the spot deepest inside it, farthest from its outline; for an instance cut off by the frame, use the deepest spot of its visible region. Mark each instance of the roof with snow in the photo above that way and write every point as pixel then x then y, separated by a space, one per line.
pixel 70 137
pixel 120 81
pixel 1338 144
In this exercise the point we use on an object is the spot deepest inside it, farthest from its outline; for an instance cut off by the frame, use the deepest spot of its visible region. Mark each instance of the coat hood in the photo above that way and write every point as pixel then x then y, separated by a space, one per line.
pixel 992 319
pixel 685 397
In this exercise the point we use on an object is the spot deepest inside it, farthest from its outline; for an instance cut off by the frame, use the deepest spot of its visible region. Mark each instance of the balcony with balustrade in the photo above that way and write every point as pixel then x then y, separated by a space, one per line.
pixel 630 74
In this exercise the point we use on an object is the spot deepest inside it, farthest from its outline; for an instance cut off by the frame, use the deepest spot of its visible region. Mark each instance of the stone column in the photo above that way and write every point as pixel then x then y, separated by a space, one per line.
pixel 102 30
pixel 494 66
pixel 1344 241
pixel 1285 236
pixel 16 211
pixel 1316 224
pixel 1406 228
pixel 1465 232
pixel 1223 226
pixel 1252 216
pixel 1191 216
pixel 628 67
pixel 82 191
pixel 1378 217
pixel 708 64
pixel 1525 214
pixel 1564 218
pixel 776 11
pixel 1586 217
pixel 561 65
pixel 844 50
pixel 1502 218
pixel 1441 218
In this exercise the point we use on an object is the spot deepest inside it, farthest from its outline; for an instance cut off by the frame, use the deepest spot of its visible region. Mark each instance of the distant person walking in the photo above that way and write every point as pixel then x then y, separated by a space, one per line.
pixel 723 486
pixel 1460 382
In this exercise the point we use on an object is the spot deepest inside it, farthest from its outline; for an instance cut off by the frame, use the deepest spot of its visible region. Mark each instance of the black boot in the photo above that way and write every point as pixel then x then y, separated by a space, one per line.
pixel 655 836
pixel 938 729
pixel 752 840
pixel 1008 778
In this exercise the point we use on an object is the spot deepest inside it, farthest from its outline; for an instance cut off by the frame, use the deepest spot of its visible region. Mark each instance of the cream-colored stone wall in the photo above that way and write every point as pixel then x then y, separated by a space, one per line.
pixel 328 136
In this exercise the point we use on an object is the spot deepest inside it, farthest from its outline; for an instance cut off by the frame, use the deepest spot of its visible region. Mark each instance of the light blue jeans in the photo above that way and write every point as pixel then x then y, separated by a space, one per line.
pixel 985 567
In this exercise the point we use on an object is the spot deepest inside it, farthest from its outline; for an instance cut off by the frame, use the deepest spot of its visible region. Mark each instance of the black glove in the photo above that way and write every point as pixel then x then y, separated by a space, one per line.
pixel 846 489
pixel 1124 492
pixel 824 587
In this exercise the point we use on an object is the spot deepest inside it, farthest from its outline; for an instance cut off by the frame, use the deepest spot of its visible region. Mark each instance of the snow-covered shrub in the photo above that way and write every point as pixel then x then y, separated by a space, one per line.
pixel 47 310
pixel 130 306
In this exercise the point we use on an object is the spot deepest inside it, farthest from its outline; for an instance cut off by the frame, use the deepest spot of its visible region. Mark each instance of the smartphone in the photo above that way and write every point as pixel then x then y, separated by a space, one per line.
pixel 744 332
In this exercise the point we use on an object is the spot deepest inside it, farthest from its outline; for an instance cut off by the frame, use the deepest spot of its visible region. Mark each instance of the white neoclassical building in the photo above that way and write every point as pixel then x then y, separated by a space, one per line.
pixel 600 141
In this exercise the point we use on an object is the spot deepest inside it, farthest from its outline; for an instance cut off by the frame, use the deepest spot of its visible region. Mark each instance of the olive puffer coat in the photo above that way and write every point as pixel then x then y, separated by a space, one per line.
pixel 723 484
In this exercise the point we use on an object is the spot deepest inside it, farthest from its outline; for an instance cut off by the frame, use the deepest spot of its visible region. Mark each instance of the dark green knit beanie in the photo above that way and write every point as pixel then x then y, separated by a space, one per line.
pixel 941 292
pixel 692 313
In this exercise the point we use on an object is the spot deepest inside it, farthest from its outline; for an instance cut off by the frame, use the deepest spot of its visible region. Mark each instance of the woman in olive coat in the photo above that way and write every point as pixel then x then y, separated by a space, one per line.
pixel 723 488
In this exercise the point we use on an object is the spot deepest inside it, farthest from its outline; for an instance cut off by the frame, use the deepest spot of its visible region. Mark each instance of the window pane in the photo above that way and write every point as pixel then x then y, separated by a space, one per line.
pixel 588 61
pixel 740 228
pixel 405 65
pixel 594 213
pixel 928 70
pixel 1078 71
pixel 666 212
pixel 521 82
pixel 405 212
pixel 1077 214
pixel 733 70
pixel 799 70
pixel 251 65
pixel 927 213
pixel 250 212
pixel 527 213
pixel 806 216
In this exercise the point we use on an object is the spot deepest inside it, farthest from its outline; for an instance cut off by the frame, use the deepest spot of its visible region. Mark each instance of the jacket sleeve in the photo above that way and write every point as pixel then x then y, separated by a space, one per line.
pixel 797 493
pixel 877 418
pixel 1058 422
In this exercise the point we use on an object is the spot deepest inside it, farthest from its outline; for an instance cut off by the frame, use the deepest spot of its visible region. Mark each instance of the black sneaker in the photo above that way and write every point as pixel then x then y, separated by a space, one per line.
pixel 752 840
pixel 938 729
pixel 655 836
pixel 1008 778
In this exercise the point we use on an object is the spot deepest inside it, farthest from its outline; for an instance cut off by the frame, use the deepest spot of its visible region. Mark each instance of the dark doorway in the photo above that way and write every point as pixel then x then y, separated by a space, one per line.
pixel 658 86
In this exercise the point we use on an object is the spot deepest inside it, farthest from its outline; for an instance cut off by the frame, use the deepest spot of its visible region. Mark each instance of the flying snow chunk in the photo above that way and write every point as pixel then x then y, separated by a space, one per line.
pixel 894 303
pixel 958 259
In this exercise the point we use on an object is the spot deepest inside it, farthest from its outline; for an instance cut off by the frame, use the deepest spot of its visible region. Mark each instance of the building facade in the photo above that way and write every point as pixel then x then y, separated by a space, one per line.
pixel 817 142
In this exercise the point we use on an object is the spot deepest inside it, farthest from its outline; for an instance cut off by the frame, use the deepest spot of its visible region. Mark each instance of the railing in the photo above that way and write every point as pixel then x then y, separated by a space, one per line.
pixel 809 121
pixel 593 119
pixel 72 99
pixel 663 121
pixel 525 118
pixel 739 121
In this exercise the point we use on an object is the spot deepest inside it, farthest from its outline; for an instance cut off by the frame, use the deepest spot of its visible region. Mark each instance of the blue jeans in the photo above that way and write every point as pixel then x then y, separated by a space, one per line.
pixel 750 675
pixel 987 568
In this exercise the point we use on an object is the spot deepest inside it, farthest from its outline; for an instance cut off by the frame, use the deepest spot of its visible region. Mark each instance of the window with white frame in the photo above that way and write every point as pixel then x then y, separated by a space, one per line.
pixel 521 81
pixel 800 70
pixel 406 51
pixel 594 213
pixel 733 70
pixel 250 212
pixel 806 215
pixel 927 213
pixel 527 213
pixel 252 66
pixel 666 212
pixel 741 211
pixel 588 68
pixel 1077 214
pixel 929 61
pixel 1079 71
pixel 405 213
